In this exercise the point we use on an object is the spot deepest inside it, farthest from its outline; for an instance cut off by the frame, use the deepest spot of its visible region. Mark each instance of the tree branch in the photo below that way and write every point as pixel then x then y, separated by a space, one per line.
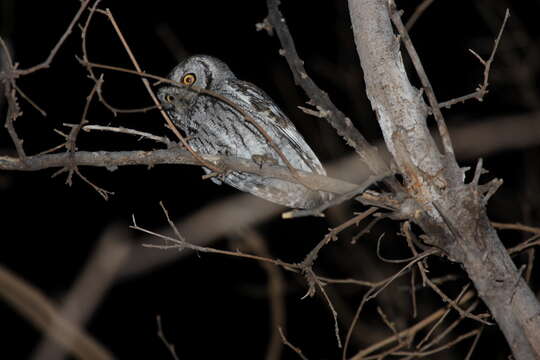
pixel 450 212
pixel 333 115
pixel 111 160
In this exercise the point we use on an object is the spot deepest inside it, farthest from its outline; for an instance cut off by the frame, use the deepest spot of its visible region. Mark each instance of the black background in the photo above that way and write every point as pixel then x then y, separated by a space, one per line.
pixel 213 305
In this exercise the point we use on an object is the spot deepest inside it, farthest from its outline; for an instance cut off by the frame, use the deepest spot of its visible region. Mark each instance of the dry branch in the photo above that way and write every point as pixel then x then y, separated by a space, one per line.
pixel 343 125
pixel 111 160
pixel 451 213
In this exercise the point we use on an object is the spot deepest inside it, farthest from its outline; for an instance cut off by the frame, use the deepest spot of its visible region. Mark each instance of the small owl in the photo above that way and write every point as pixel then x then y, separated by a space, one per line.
pixel 215 128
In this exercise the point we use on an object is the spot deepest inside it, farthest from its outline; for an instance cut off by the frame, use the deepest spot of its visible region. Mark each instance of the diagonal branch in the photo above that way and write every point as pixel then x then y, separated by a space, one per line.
pixel 333 115
pixel 441 124
pixel 40 311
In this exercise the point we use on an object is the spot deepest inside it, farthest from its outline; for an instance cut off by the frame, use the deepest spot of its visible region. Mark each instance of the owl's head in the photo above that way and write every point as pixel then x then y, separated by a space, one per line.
pixel 201 71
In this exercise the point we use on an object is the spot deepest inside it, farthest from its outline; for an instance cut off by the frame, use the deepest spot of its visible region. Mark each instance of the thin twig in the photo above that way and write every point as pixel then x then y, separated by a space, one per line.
pixel 318 211
pixel 135 63
pixel 447 330
pixel 482 89
pixel 440 348
pixel 441 124
pixel 30 101
pixel 410 332
pixel 161 335
pixel 436 325
pixel 220 97
pixel 332 235
pixel 123 130
pixel 386 321
pixel 112 159
pixel 45 64
pixel 517 226
pixel 312 278
pixel 373 292
pixel 169 122
pixel 420 9
pixel 455 306
pixel 291 346
pixel 473 345
pixel 335 117
pixel 180 243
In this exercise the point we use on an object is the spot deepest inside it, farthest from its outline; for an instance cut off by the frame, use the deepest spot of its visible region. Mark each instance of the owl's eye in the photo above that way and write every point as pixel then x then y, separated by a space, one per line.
pixel 188 79
pixel 169 98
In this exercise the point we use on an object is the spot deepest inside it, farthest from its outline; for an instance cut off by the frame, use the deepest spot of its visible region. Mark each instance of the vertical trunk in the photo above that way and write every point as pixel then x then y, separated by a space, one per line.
pixel 450 212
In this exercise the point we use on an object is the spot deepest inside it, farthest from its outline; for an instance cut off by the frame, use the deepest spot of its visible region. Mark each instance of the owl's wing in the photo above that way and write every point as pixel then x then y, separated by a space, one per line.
pixel 256 98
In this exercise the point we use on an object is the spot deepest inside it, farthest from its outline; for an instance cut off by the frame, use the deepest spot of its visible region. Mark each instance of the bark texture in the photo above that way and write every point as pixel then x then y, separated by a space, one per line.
pixel 451 212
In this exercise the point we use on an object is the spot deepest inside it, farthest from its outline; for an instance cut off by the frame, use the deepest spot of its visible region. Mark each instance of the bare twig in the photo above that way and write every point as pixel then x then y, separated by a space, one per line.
pixel 433 179
pixel 318 211
pixel 92 75
pixel 441 348
pixel 454 305
pixel 473 345
pixel 420 9
pixel 335 117
pixel 458 300
pixel 533 241
pixel 519 227
pixel 314 280
pixel 45 64
pixel 111 160
pixel 71 144
pixel 220 97
pixel 161 335
pixel 441 124
pixel 30 101
pixel 373 292
pixel 291 346
pixel 410 332
pixel 482 89
pixel 169 122
pixel 386 321
pixel 123 130
pixel 447 330
pixel 310 258
pixel 14 112
pixel 85 61
pixel 179 242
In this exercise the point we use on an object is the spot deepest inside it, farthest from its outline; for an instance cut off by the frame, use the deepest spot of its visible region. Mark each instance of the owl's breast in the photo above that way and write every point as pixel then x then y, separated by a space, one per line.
pixel 215 127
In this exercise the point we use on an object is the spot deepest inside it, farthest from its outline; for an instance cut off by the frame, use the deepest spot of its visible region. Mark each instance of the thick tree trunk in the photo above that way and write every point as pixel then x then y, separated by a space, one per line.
pixel 450 212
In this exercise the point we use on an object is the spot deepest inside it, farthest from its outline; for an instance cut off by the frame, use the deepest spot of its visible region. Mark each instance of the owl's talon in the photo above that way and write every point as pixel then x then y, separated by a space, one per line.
pixel 214 175
pixel 211 175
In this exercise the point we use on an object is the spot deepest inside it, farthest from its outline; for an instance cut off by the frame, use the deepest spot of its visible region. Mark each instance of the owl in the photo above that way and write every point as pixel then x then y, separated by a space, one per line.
pixel 214 127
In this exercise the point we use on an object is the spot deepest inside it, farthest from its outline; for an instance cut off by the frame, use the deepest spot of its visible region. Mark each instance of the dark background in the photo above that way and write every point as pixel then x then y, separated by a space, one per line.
pixel 214 305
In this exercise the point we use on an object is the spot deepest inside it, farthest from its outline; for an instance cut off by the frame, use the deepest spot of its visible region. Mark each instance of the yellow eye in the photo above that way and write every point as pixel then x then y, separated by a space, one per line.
pixel 169 98
pixel 188 79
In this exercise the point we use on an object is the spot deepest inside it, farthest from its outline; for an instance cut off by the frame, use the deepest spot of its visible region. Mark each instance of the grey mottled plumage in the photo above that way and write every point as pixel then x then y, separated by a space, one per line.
pixel 214 127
